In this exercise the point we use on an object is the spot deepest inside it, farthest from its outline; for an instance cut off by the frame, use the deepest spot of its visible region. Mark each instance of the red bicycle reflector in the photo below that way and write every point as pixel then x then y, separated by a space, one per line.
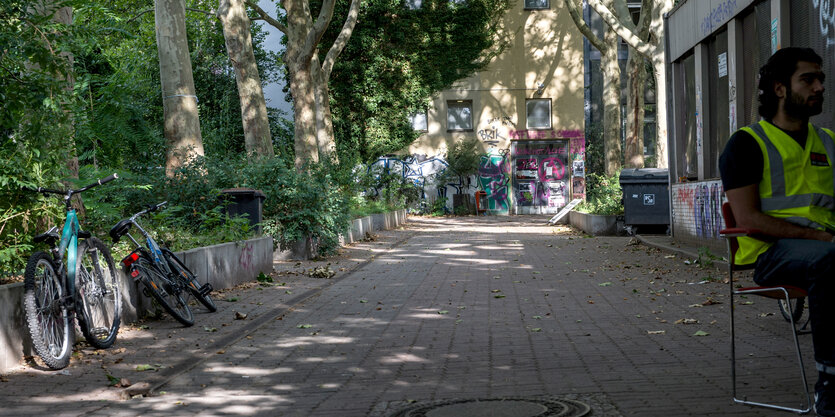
pixel 134 273
pixel 130 259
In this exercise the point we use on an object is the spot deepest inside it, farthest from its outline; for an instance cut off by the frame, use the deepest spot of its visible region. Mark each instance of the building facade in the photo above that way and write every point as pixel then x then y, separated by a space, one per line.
pixel 714 51
pixel 525 109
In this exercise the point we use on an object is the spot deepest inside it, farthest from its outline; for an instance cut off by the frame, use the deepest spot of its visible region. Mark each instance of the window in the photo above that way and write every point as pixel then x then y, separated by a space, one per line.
pixel 538 113
pixel 537 4
pixel 459 115
pixel 418 121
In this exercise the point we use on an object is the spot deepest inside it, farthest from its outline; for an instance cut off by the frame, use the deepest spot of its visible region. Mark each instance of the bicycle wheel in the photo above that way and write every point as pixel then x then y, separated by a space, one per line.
pixel 792 314
pixel 99 299
pixel 189 280
pixel 167 293
pixel 47 315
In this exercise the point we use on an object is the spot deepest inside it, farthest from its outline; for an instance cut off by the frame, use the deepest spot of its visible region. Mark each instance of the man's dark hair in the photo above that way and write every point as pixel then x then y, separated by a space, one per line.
pixel 779 69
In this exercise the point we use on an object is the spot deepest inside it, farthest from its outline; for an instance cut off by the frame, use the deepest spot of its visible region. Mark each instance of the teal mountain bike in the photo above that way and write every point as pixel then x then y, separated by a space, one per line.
pixel 72 281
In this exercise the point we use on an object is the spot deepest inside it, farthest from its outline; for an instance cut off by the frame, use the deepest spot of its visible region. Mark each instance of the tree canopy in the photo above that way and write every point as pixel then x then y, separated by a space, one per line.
pixel 397 59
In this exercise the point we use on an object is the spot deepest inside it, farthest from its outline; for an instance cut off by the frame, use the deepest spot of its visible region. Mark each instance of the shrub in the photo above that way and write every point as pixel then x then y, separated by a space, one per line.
pixel 603 195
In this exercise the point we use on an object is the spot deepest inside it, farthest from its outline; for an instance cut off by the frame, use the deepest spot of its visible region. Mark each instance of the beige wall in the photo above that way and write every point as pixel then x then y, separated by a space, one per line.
pixel 546 48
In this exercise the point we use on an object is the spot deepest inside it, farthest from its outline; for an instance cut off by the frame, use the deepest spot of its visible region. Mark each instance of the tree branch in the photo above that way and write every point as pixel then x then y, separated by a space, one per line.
pixel 319 26
pixel 342 40
pixel 211 13
pixel 267 18
pixel 139 15
pixel 598 43
pixel 644 48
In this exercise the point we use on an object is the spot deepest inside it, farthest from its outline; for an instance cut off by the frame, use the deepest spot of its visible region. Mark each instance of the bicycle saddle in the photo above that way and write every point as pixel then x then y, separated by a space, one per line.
pixel 50 236
pixel 120 229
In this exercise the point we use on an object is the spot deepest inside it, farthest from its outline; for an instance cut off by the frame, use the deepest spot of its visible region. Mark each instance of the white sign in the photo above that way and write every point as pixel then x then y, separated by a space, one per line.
pixel 723 64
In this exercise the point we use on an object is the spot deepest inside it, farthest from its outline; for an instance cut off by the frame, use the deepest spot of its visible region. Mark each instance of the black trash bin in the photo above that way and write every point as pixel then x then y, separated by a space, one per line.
pixel 244 202
pixel 646 196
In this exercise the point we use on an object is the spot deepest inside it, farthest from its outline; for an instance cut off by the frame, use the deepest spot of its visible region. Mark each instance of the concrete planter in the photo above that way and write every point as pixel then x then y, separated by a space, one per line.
pixel 594 224
pixel 224 266
pixel 360 228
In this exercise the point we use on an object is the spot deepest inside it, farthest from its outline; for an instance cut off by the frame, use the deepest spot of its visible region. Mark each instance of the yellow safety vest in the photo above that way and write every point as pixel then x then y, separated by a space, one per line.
pixel 798 185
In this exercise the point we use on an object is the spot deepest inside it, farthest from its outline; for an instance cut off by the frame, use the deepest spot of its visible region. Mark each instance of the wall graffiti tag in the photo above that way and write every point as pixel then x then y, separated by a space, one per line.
pixel 494 178
pixel 421 170
pixel 720 14
pixel 826 19
pixel 540 182
pixel 701 202
pixel 545 134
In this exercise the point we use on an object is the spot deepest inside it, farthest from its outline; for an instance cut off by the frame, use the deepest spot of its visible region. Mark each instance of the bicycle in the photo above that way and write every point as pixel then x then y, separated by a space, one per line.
pixel 85 289
pixel 166 281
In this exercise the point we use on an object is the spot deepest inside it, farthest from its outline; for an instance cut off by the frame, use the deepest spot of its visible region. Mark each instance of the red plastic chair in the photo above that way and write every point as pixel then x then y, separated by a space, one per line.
pixel 785 293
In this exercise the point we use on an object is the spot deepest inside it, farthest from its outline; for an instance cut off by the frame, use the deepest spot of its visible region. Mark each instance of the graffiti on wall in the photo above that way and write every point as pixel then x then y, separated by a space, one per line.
pixel 702 201
pixel 577 155
pixel 421 170
pixel 545 134
pixel 717 16
pixel 494 178
pixel 826 19
pixel 541 175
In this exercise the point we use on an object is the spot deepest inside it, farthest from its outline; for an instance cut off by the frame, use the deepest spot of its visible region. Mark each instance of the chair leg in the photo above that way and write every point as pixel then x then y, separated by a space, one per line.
pixel 794 332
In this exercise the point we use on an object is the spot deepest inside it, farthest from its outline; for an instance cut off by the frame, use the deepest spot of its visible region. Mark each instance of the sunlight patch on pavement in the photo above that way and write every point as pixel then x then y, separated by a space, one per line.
pixel 403 358
pixel 310 340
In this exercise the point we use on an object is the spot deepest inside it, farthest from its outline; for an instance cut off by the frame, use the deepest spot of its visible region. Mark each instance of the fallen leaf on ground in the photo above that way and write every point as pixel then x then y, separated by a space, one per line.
pixel 210 329
pixel 605 284
pixel 656 332
pixel 686 321
pixel 240 316
pixel 701 333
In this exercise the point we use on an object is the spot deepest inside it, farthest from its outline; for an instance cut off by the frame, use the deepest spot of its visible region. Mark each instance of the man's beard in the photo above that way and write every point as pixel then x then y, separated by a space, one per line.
pixel 800 108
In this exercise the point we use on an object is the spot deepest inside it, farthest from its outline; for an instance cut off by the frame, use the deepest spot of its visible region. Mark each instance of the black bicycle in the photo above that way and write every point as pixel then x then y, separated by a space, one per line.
pixel 164 276
pixel 86 287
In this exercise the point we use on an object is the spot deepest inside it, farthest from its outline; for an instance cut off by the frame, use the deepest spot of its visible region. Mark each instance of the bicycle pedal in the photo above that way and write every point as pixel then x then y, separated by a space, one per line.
pixel 205 289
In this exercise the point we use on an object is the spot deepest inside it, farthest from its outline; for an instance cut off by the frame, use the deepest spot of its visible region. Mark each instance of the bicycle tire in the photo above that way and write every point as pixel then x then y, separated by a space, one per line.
pixel 190 281
pixel 168 295
pixel 99 301
pixel 47 317
pixel 796 312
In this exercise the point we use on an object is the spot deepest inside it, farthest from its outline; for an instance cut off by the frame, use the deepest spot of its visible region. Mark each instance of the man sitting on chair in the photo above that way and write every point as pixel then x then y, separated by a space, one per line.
pixel 779 178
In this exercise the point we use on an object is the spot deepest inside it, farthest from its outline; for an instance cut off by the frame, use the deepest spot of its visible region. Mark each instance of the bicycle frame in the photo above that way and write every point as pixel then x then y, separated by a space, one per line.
pixel 69 243
pixel 152 246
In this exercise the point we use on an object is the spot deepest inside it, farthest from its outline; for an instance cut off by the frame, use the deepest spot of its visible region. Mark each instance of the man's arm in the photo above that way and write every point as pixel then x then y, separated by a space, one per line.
pixel 745 203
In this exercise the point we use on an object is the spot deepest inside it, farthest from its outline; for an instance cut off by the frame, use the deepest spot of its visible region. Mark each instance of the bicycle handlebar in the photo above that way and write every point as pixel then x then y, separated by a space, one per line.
pixel 70 192
pixel 151 208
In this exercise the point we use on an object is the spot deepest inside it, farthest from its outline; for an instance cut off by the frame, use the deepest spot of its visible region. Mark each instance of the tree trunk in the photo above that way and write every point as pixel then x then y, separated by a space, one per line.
pixel 659 67
pixel 325 140
pixel 256 124
pixel 635 85
pixel 653 50
pixel 304 106
pixel 182 124
pixel 611 103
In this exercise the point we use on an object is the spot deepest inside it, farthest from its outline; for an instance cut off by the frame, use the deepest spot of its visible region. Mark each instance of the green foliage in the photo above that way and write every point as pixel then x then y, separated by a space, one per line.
pixel 389 188
pixel 397 59
pixel 595 152
pixel 439 207
pixel 463 158
pixel 603 195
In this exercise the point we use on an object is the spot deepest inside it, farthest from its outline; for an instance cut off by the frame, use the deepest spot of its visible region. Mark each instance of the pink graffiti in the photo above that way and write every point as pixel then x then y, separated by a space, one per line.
pixel 545 134
pixel 578 146
pixel 558 169
pixel 245 258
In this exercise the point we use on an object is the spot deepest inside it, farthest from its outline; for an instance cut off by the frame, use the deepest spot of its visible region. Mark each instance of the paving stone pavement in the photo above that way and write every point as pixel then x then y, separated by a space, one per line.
pixel 445 308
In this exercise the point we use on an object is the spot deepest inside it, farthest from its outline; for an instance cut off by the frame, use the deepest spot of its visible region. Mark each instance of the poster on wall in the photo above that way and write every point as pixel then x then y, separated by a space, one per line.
pixel 541 175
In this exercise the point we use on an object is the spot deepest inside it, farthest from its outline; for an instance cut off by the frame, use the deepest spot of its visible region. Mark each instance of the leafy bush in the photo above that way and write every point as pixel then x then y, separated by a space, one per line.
pixel 603 195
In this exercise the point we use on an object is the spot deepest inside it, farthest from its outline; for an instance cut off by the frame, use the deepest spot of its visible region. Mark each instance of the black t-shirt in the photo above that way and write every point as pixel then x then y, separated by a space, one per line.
pixel 741 163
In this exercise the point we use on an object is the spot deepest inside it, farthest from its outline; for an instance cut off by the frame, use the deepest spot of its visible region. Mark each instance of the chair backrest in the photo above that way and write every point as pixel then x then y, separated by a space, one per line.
pixel 730 222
